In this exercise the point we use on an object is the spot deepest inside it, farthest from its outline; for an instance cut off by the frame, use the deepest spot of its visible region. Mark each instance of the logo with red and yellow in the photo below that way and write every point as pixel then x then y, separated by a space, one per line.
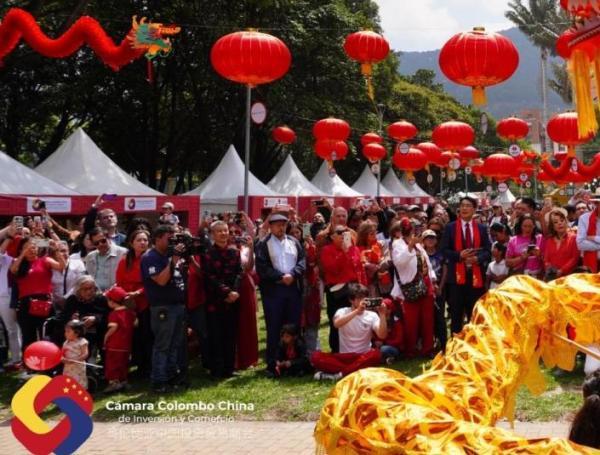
pixel 72 430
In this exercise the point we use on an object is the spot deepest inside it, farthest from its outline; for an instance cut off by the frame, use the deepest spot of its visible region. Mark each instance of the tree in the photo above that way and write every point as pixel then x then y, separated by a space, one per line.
pixel 426 78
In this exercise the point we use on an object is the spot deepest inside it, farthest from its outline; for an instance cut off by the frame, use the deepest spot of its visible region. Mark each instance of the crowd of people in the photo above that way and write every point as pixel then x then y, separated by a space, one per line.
pixel 393 282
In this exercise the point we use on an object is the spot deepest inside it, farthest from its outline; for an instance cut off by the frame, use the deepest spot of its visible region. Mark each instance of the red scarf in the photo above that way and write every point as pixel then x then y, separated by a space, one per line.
pixel 590 258
pixel 461 268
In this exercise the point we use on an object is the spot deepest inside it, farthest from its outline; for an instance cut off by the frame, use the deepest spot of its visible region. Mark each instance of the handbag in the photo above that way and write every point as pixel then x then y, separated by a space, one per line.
pixel 417 288
pixel 39 308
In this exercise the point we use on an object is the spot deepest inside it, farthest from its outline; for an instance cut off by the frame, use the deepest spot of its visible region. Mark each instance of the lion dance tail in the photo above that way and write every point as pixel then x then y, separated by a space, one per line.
pixel 454 406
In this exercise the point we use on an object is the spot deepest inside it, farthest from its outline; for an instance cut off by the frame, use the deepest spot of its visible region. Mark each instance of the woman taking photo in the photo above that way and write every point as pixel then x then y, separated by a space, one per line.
pixel 414 286
pixel 561 255
pixel 524 249
pixel 33 276
pixel 129 277
pixel 374 258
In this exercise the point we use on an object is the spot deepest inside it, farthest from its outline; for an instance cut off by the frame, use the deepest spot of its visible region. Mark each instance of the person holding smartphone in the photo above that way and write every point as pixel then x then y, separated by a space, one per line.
pixel 524 249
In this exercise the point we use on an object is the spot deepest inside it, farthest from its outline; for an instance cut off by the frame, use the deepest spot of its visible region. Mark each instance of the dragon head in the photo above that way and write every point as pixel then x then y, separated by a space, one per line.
pixel 152 37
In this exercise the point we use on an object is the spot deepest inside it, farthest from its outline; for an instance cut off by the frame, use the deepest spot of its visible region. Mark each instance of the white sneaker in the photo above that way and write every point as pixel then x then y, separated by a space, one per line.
pixel 321 376
pixel 318 375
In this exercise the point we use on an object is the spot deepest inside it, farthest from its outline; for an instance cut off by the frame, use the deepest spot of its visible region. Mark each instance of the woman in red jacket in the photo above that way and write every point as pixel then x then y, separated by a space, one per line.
pixel 560 254
pixel 341 265
pixel 129 277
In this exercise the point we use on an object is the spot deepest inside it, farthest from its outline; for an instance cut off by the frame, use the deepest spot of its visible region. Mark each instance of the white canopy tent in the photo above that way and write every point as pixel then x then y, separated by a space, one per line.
pixel 20 179
pixel 402 189
pixel 367 184
pixel 220 191
pixel 332 186
pixel 290 181
pixel 506 199
pixel 80 165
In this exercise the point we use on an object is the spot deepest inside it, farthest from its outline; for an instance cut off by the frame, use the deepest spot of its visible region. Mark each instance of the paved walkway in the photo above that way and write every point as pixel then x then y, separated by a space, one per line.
pixel 239 437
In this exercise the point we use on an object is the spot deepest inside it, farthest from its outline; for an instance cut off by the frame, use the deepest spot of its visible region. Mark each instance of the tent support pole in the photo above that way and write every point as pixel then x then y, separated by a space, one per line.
pixel 379 180
pixel 247 147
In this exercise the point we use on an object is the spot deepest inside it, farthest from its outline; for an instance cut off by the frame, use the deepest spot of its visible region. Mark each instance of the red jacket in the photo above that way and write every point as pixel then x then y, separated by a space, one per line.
pixel 131 281
pixel 342 267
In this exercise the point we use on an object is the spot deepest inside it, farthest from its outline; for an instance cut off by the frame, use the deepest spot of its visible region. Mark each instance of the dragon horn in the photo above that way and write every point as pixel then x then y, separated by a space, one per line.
pixel 134 21
pixel 143 20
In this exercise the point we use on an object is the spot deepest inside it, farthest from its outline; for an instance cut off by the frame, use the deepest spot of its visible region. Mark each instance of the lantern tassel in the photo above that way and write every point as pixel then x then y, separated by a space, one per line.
pixel 479 97
pixel 367 71
pixel 596 64
pixel 580 77
pixel 329 164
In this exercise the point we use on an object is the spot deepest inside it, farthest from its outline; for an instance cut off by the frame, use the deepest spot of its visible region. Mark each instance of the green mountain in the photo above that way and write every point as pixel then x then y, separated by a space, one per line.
pixel 522 91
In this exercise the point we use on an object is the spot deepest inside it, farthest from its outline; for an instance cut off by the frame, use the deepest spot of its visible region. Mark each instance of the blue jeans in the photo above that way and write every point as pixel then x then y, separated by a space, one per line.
pixel 167 327
pixel 388 351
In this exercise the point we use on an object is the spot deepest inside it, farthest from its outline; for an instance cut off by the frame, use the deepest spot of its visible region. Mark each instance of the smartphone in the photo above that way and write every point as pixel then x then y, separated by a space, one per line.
pixel 366 202
pixel 241 240
pixel 319 203
pixel 306 230
pixel 37 219
pixel 531 247
pixel 372 303
pixel 38 205
pixel 347 239
pixel 18 221
pixel 109 197
pixel 41 243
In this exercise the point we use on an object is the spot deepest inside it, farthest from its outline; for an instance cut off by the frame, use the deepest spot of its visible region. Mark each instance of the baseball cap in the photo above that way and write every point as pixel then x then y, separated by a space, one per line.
pixel 116 294
pixel 168 205
pixel 278 217
pixel 429 233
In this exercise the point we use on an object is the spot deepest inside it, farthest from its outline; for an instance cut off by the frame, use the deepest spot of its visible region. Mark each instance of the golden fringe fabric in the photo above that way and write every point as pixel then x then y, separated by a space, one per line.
pixel 580 67
pixel 453 407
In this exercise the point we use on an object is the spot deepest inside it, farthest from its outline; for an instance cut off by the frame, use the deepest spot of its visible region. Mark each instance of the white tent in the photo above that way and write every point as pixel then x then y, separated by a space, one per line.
pixel 367 184
pixel 290 181
pixel 20 179
pixel 403 189
pixel 414 190
pixel 80 165
pixel 505 199
pixel 220 191
pixel 332 186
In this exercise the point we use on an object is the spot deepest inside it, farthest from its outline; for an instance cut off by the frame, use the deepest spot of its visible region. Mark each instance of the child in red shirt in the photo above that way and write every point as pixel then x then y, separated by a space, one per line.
pixel 117 340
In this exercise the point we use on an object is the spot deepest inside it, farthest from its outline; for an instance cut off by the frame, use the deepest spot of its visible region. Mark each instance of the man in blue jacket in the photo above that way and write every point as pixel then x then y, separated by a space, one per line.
pixel 467 250
pixel 280 264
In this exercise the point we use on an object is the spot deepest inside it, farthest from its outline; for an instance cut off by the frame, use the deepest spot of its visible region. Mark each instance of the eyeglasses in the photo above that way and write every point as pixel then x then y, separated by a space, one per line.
pixel 341 232
pixel 99 241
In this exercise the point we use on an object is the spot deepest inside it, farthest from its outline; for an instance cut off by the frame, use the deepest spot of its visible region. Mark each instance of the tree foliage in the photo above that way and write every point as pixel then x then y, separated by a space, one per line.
pixel 182 124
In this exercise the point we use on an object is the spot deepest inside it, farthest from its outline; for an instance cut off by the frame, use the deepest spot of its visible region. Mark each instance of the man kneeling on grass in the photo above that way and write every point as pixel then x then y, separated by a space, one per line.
pixel 356 327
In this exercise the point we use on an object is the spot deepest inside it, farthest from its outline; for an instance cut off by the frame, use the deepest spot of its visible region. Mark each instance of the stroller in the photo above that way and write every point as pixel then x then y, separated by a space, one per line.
pixel 53 331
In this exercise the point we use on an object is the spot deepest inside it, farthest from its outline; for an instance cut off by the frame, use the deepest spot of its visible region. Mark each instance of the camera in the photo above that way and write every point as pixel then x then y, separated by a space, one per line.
pixel 240 240
pixel 319 203
pixel 372 303
pixel 192 245
pixel 38 205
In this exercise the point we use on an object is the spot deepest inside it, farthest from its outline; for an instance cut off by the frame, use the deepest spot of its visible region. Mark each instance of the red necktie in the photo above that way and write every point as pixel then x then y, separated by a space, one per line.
pixel 468 238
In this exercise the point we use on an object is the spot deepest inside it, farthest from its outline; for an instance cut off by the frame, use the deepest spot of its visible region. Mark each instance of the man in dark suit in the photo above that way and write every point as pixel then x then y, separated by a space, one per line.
pixel 280 264
pixel 467 250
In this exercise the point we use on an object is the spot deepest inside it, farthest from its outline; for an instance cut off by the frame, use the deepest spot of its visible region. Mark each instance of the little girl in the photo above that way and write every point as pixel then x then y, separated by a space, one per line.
pixel 497 270
pixel 75 348
pixel 118 339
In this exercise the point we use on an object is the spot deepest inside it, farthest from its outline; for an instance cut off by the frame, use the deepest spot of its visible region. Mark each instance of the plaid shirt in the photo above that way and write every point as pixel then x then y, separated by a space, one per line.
pixel 222 274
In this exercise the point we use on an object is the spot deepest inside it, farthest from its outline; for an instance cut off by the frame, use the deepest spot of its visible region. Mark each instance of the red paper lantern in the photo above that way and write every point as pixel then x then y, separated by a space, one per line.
pixel 370 138
pixel 579 8
pixel 402 131
pixel 564 129
pixel 499 166
pixel 42 355
pixel 283 135
pixel 469 153
pixel 366 47
pixel 445 158
pixel 432 152
pixel 512 129
pixel 331 128
pixel 412 161
pixel 250 57
pixel 374 152
pixel 331 149
pixel 479 59
pixel 453 135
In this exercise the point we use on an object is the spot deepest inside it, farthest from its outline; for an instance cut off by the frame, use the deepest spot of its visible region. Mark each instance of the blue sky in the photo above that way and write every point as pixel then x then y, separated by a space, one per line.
pixel 421 25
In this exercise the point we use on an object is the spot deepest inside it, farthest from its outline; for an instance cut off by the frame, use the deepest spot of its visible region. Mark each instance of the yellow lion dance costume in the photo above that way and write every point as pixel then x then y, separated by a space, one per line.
pixel 453 407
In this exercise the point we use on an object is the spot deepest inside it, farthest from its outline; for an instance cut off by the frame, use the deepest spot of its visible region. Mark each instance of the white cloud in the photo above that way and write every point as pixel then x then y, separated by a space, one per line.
pixel 419 25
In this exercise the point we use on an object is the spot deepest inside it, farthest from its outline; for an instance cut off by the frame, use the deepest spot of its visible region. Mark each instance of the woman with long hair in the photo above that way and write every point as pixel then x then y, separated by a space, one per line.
pixel 374 257
pixel 585 429
pixel 560 255
pixel 129 277
pixel 414 278
pixel 524 249
pixel 33 276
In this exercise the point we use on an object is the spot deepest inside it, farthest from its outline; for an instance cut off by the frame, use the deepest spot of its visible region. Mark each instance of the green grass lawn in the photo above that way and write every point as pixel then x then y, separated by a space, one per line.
pixel 295 399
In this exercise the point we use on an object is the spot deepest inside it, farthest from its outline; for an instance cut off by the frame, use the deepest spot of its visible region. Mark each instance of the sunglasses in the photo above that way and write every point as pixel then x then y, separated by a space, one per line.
pixel 100 241
pixel 340 232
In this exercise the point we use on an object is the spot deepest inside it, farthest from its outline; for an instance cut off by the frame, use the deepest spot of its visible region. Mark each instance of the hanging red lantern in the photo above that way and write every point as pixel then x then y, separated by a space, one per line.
pixel 331 149
pixel 374 152
pixel 402 131
pixel 431 151
pixel 469 153
pixel 479 59
pixel 411 161
pixel 512 129
pixel 580 8
pixel 564 129
pixel 370 138
pixel 367 48
pixel 250 57
pixel 331 128
pixel 453 135
pixel 445 158
pixel 499 166
pixel 283 135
